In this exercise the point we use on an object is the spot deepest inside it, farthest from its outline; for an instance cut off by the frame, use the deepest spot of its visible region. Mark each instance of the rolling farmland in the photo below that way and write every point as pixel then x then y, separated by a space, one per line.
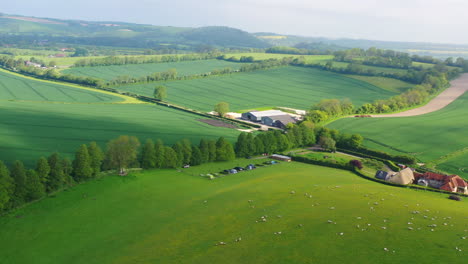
pixel 174 217
pixel 285 86
pixel 18 88
pixel 30 130
pixel 428 136
pixel 40 117
pixel 183 68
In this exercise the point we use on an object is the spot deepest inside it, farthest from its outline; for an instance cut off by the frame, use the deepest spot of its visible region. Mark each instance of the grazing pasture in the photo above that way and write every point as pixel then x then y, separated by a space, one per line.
pixel 294 87
pixel 284 213
pixel 183 68
pixel 428 136
pixel 16 87
pixel 31 130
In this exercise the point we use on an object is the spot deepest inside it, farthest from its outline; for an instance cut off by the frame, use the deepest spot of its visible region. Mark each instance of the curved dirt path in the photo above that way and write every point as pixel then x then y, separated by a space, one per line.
pixel 457 89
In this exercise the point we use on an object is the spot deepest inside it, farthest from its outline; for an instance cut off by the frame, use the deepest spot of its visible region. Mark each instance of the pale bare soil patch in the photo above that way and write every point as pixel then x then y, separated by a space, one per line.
pixel 457 89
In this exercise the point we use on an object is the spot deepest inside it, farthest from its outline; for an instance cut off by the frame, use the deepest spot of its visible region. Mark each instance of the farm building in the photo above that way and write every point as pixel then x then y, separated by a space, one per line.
pixel 404 177
pixel 382 175
pixel 451 183
pixel 256 116
pixel 280 157
pixel 278 121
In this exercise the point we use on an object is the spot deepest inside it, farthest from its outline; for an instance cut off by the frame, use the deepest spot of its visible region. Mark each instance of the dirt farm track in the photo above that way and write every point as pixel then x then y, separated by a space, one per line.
pixel 457 89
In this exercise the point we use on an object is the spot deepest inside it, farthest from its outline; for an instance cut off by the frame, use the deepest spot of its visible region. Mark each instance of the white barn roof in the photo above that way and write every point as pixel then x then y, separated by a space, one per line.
pixel 260 114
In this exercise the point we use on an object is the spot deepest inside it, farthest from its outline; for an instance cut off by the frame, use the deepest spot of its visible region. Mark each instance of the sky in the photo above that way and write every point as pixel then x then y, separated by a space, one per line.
pixel 438 21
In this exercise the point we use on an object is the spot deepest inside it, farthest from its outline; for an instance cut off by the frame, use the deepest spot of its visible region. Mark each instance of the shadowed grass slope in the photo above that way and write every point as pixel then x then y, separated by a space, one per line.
pixel 178 217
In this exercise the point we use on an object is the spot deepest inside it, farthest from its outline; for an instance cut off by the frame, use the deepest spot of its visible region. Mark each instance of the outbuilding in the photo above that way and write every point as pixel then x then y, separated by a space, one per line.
pixel 278 121
pixel 256 116
pixel 280 157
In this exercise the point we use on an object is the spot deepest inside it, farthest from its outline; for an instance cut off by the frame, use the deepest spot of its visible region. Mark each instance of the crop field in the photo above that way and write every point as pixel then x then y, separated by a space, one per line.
pixel 428 136
pixel 294 87
pixel 65 62
pixel 18 88
pixel 30 130
pixel 183 68
pixel 388 84
pixel 312 215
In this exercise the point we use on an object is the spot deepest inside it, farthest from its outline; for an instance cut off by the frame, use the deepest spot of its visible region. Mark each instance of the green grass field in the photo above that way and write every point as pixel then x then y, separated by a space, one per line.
pixel 30 130
pixel 286 86
pixel 17 88
pixel 40 117
pixel 183 68
pixel 389 84
pixel 179 217
pixel 428 136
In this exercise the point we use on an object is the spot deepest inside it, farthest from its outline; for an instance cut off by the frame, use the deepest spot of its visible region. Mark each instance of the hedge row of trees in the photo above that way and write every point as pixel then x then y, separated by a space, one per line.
pixel 299 51
pixel 171 74
pixel 124 60
pixel 20 66
pixel 375 57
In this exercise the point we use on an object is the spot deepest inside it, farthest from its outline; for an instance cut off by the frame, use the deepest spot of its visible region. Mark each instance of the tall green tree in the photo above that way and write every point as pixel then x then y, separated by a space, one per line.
pixel 160 92
pixel 187 151
pixel 224 150
pixel 6 186
pixel 241 146
pixel 43 170
pixel 96 156
pixel 179 151
pixel 212 150
pixel 259 146
pixel 221 108
pixel 56 175
pixel 18 173
pixel 204 147
pixel 67 168
pixel 170 158
pixel 148 155
pixel 159 154
pixel 122 151
pixel 196 157
pixel 82 164
pixel 34 186
pixel 308 134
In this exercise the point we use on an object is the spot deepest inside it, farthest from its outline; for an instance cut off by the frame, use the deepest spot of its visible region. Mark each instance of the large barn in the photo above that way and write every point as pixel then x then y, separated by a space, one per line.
pixel 256 116
pixel 278 121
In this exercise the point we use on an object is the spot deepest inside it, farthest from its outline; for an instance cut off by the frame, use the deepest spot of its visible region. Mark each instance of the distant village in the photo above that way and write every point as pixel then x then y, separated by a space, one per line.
pixel 450 183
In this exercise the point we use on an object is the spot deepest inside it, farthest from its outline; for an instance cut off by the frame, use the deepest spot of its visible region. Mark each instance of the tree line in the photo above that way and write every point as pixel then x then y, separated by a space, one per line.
pixel 375 57
pixel 124 60
pixel 171 74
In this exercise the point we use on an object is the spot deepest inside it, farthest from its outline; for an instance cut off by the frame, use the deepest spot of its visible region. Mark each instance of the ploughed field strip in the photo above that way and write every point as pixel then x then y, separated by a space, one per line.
pixel 294 87
pixel 183 68
pixel 17 88
pixel 30 130
pixel 282 213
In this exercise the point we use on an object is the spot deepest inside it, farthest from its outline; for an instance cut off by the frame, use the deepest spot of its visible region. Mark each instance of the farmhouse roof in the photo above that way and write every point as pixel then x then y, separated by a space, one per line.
pixel 267 113
pixel 381 175
pixel 404 176
pixel 450 182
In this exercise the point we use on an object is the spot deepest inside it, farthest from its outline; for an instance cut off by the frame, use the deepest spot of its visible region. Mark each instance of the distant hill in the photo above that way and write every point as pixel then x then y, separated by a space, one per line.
pixel 121 34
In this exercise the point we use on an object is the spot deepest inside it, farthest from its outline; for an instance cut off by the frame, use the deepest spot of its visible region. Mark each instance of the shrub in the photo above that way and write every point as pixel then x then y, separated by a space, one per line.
pixel 356 163
pixel 455 197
